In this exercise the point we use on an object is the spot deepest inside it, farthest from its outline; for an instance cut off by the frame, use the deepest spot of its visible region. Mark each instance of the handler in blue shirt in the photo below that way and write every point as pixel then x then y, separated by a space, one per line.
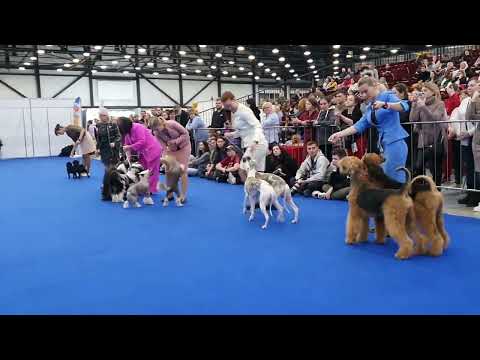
pixel 382 112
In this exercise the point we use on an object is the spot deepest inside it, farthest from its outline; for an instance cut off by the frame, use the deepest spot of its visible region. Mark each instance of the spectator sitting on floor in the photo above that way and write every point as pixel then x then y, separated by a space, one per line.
pixel 295 141
pixel 227 169
pixel 338 186
pixel 313 173
pixel 198 165
pixel 281 164
pixel 216 155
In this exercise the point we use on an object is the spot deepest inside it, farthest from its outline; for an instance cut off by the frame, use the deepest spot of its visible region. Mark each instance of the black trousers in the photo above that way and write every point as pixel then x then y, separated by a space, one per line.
pixel 457 164
pixel 307 188
pixel 428 158
pixel 468 160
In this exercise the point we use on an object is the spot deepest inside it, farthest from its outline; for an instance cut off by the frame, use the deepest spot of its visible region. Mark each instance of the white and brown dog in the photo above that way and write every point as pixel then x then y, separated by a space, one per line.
pixel 173 173
pixel 281 188
pixel 142 188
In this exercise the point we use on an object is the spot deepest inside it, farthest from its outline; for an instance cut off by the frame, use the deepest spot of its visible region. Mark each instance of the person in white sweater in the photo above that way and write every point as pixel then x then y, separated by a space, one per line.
pixel 313 173
pixel 248 128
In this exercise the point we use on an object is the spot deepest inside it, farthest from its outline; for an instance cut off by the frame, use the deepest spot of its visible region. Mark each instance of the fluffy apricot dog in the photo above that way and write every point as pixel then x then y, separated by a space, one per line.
pixel 427 204
pixel 391 209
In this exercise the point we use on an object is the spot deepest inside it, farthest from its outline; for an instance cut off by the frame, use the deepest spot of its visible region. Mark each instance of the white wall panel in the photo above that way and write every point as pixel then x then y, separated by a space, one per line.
pixel 238 90
pixel 50 85
pixel 151 96
pixel 13 125
pixel 107 102
pixel 190 88
pixel 24 84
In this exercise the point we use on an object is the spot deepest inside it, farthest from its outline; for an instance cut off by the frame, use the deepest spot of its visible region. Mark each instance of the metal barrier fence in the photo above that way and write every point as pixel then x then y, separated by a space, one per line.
pixel 449 161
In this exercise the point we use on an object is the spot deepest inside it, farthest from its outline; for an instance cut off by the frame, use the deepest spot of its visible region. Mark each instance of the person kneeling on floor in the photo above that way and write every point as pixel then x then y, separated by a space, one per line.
pixel 338 185
pixel 313 173
pixel 227 169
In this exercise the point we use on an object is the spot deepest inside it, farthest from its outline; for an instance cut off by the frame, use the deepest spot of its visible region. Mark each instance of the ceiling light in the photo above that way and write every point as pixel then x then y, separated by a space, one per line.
pixel 142 50
pixel 335 68
pixel 241 68
pixel 295 75
pixel 33 58
pixel 198 71
pixel 312 66
pixel 48 45
pixel 231 62
pixel 240 48
pixel 274 74
pixel 257 77
pixel 27 64
pixel 309 61
pixel 86 54
pixel 260 64
pixel 114 62
pixel 138 68
pixel 126 72
pixel 287 65
pixel 267 70
pixel 317 76
pixel 183 74
pixel 336 55
pixel 165 58
pixel 335 72
pixel 366 49
pixel 21 68
pixel 303 45
pixel 314 71
pixel 275 51
pixel 181 52
pixel 103 67
pixel 40 51
pixel 394 51
pixel 183 65
pixel 218 55
pixel 213 67
pixel 363 56
pixel 59 70
pixel 297 78
pixel 251 57
pixel 67 65
pixel 209 75
pixel 98 47
pixel 155 73
pixel 278 78
pixel 150 64
pixel 199 61
pixel 291 71
pixel 202 46
pixel 76 61
pixel 349 56
pixel 336 46
pixel 250 73
pixel 224 72
pixel 127 56
pixel 428 45
pixel 234 76
pixel 336 62
pixel 169 70
pixel 94 71
pixel 306 53
pixel 281 59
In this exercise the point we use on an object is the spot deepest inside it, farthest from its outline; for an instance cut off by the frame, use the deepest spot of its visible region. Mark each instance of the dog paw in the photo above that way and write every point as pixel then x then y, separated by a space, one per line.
pixel 404 253
pixel 148 201
pixel 179 203
pixel 137 205
pixel 294 221
pixel 349 241
pixel 435 252
pixel 264 227
pixel 125 205
pixel 281 218
pixel 250 218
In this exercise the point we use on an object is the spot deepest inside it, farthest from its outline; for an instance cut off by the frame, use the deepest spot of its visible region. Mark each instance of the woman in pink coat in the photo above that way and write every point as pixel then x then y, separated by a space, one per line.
pixel 176 140
pixel 138 138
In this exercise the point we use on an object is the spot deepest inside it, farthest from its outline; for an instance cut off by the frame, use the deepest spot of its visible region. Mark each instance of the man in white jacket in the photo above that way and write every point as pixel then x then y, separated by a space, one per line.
pixel 313 173
pixel 247 127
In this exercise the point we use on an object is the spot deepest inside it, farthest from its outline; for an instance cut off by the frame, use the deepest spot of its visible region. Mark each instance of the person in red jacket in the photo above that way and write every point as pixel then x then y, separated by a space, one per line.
pixel 453 99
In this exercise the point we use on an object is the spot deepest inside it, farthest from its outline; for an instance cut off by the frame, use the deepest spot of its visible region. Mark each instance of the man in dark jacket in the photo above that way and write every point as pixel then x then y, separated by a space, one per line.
pixel 181 116
pixel 218 116
pixel 109 140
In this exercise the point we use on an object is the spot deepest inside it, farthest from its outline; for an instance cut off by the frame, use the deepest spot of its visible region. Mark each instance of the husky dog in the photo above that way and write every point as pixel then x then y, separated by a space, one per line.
pixel 266 195
pixel 279 185
pixel 118 179
pixel 173 172
pixel 141 188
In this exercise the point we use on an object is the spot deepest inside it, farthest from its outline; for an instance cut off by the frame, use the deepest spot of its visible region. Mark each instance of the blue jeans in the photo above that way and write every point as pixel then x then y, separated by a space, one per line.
pixel 395 155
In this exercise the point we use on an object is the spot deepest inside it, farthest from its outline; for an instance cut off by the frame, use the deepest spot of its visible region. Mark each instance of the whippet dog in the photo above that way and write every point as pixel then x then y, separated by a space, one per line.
pixel 282 190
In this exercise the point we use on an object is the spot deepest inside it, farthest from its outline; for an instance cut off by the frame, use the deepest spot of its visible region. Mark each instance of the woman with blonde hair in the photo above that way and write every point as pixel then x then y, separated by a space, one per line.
pixel 176 142
pixel 428 108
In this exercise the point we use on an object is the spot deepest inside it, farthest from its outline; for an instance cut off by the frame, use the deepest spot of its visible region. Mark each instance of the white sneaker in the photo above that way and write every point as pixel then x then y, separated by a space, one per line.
pixel 231 179
pixel 477 208
pixel 318 194
pixel 83 174
pixel 148 200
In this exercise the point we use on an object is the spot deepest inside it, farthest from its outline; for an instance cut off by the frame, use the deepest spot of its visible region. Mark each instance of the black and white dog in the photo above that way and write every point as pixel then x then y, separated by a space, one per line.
pixel 76 169
pixel 118 179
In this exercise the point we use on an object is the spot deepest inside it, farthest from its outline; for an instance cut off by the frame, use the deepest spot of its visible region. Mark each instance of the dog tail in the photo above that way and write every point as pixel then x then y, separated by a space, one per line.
pixel 427 179
pixel 404 190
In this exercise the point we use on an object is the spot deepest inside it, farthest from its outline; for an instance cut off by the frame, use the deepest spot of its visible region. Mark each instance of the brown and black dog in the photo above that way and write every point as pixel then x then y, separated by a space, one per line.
pixel 392 209
pixel 427 203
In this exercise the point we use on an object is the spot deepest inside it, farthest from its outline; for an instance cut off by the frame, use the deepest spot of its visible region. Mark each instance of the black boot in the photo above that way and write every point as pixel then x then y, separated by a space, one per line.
pixel 473 200
pixel 465 200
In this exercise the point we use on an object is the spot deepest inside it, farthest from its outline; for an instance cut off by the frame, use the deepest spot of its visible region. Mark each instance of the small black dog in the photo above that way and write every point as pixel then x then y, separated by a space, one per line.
pixel 76 169
pixel 70 170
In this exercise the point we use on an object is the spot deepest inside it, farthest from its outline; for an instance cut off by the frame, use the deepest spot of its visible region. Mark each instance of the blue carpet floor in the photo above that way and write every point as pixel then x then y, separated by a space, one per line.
pixel 63 251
